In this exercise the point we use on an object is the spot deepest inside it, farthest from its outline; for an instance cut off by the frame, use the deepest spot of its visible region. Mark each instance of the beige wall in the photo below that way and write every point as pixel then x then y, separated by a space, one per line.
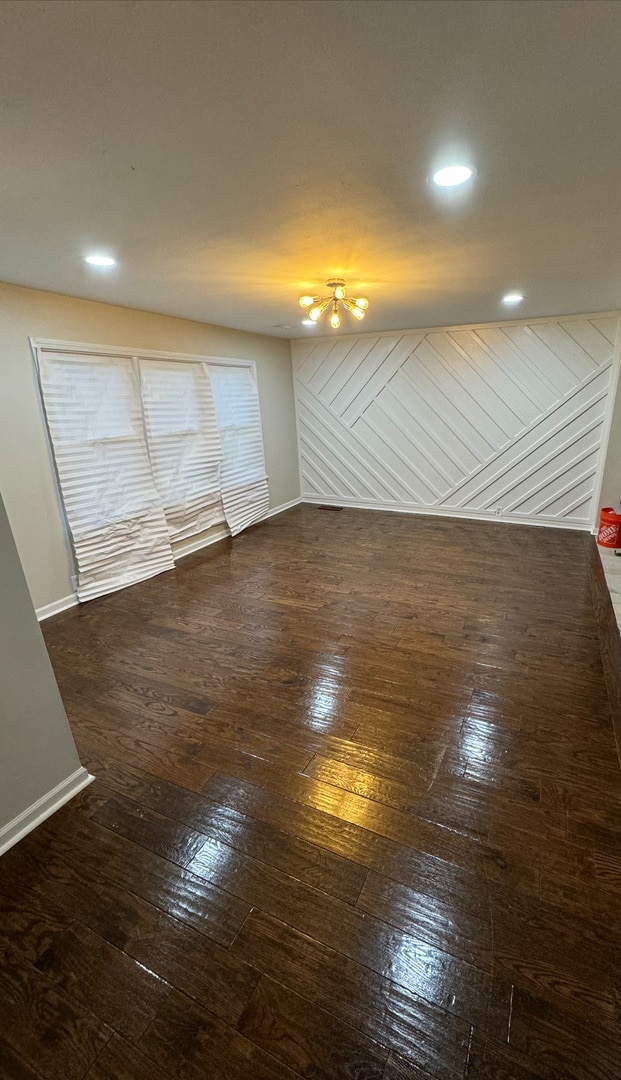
pixel 611 476
pixel 26 473
pixel 611 483
pixel 36 747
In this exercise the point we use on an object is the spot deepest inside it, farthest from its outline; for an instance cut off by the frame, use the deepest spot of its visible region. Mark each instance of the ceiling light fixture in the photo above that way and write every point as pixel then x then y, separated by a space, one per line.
pixel 356 306
pixel 512 298
pixel 102 261
pixel 452 175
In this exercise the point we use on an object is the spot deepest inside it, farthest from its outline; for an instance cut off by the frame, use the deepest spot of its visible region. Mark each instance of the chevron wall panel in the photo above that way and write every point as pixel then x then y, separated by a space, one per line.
pixel 492 420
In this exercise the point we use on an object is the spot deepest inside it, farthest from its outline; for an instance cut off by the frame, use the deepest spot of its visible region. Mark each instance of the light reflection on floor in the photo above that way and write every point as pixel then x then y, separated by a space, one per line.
pixel 327 698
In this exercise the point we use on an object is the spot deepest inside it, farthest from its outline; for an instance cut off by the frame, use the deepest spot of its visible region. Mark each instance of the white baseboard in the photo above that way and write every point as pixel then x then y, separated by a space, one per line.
pixel 56 607
pixel 190 546
pixel 43 808
pixel 281 509
pixel 436 511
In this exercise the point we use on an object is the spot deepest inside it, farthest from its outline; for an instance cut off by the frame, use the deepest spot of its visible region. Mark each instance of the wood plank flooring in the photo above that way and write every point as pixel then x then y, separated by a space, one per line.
pixel 357 816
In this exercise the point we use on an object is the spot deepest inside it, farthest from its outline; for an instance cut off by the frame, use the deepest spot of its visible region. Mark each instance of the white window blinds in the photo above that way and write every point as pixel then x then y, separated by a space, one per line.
pixel 150 450
pixel 113 510
pixel 245 495
pixel 183 443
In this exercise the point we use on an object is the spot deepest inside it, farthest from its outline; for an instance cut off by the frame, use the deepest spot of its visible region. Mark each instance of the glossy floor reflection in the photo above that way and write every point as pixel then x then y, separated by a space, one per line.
pixel 357 815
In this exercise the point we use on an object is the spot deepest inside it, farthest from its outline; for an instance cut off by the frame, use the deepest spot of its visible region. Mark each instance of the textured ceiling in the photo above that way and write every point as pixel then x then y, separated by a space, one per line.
pixel 235 154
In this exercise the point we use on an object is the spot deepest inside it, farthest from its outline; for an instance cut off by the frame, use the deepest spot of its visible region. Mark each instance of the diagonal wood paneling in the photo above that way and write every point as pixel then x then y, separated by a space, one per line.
pixel 499 419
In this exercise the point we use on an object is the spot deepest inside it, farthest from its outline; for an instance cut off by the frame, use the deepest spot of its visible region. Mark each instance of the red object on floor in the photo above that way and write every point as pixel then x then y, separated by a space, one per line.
pixel 609 533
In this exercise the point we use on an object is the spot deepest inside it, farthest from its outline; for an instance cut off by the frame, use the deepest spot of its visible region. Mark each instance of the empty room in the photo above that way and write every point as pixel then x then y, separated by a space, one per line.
pixel 310 508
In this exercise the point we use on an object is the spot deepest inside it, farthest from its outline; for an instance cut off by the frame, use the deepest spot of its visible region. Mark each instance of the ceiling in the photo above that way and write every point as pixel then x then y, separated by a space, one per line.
pixel 235 154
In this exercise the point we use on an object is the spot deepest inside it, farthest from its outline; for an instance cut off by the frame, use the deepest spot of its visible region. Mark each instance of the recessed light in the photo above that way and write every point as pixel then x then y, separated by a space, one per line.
pixel 512 298
pixel 452 175
pixel 100 260
pixel 308 322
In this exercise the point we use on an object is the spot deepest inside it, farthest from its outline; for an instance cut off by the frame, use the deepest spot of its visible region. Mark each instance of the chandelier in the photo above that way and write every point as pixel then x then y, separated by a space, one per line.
pixel 357 306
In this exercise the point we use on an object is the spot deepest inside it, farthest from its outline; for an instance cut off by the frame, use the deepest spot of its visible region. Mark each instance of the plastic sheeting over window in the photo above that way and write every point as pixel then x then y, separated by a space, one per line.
pixel 114 513
pixel 184 445
pixel 245 495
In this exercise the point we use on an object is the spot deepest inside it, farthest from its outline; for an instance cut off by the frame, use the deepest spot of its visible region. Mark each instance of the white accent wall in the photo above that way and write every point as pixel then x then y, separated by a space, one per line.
pixel 502 420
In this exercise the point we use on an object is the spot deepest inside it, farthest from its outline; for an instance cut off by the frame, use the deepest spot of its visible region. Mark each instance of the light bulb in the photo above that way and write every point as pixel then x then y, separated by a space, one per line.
pixel 317 311
pixel 306 301
pixel 352 307
pixel 339 292
pixel 335 318
pixel 362 302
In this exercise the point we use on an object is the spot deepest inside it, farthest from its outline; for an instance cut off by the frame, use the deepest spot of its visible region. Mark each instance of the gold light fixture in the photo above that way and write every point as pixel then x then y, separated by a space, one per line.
pixel 356 305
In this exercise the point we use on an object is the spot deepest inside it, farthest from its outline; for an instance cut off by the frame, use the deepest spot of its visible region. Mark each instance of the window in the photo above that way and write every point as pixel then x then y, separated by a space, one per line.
pixel 183 443
pixel 113 510
pixel 149 450
pixel 244 484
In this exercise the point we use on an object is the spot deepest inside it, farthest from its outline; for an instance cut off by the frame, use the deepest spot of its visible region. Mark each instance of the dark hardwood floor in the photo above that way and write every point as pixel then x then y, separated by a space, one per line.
pixel 357 816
